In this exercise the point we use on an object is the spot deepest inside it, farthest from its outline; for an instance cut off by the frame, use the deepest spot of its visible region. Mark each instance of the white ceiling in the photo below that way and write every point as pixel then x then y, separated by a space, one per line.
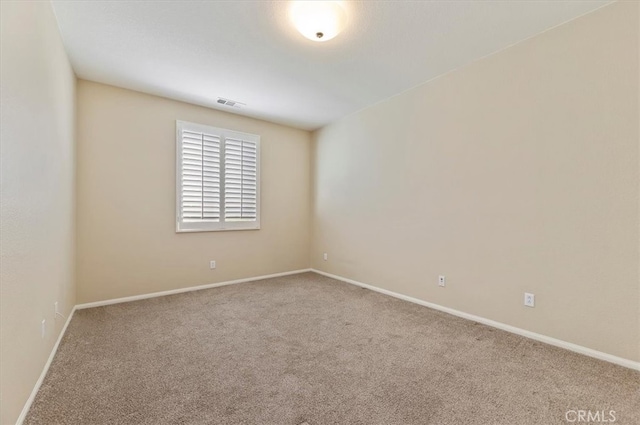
pixel 248 51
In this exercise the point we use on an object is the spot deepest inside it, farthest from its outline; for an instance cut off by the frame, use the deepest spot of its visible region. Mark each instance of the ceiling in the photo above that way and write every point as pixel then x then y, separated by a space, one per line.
pixel 249 52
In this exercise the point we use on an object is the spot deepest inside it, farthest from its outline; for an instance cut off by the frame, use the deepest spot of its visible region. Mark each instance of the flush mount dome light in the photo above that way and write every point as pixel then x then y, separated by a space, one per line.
pixel 318 20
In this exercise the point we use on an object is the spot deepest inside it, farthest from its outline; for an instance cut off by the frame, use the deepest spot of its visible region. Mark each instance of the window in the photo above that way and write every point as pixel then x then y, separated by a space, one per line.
pixel 217 179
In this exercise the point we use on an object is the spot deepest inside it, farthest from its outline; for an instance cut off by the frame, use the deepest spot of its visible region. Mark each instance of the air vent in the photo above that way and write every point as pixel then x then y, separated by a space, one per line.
pixel 232 103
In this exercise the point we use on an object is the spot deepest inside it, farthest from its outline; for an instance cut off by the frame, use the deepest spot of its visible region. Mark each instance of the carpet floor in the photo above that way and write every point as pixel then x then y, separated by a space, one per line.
pixel 306 348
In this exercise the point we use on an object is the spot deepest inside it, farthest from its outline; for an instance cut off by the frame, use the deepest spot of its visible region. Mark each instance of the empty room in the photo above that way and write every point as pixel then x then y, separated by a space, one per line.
pixel 320 212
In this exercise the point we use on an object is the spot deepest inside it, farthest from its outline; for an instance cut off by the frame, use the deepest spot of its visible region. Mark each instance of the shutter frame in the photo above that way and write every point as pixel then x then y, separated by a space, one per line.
pixel 247 167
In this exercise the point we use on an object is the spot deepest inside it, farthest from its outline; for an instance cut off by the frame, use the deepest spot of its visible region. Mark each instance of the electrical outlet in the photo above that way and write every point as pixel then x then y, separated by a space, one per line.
pixel 55 310
pixel 442 281
pixel 325 256
pixel 212 265
pixel 43 328
pixel 529 299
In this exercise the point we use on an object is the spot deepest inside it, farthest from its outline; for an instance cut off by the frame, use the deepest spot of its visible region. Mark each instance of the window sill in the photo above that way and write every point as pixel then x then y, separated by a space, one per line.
pixel 218 229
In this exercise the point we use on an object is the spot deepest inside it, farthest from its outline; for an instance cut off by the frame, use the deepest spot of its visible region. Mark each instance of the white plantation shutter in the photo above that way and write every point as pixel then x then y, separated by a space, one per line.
pixel 200 179
pixel 218 179
pixel 240 180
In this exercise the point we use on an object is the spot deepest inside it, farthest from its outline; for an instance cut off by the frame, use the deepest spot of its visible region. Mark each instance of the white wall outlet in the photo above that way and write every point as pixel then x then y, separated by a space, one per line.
pixel 212 264
pixel 55 309
pixel 442 281
pixel 529 299
pixel 43 328
pixel 325 256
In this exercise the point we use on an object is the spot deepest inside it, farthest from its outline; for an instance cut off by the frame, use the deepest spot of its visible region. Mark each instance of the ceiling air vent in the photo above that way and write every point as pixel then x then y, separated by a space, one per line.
pixel 233 103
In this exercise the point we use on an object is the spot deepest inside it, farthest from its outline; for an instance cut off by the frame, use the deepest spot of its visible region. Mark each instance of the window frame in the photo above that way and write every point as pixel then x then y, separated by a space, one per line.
pixel 209 225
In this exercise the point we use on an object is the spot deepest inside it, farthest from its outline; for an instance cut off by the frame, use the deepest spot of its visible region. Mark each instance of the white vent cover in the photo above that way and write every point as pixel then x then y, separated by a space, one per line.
pixel 228 102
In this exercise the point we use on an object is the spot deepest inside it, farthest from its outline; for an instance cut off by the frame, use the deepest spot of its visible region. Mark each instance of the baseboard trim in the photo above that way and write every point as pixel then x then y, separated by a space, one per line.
pixel 36 387
pixel 182 290
pixel 518 331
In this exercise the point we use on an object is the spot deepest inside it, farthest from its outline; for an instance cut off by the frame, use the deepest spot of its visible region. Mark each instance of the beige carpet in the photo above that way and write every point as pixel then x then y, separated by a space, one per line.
pixel 306 348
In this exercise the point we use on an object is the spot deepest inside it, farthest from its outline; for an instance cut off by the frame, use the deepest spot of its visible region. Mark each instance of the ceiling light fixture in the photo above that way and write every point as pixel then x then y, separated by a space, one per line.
pixel 318 20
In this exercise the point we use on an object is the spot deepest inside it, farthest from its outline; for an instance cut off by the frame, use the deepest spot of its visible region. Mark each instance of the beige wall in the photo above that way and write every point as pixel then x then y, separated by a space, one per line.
pixel 127 243
pixel 516 173
pixel 37 175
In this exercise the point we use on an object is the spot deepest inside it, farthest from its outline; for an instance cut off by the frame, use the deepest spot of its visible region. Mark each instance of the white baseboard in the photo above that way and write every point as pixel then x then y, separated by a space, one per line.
pixel 181 290
pixel 532 335
pixel 36 388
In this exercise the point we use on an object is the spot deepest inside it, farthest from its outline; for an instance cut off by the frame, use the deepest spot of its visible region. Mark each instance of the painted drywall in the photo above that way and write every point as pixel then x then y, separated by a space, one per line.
pixel 517 173
pixel 37 169
pixel 127 242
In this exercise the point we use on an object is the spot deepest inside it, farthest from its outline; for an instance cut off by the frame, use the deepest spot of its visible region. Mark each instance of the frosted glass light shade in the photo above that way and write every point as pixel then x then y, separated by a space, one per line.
pixel 318 20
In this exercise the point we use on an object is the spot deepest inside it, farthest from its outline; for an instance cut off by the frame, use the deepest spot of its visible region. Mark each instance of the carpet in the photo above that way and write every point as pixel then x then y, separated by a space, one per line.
pixel 309 349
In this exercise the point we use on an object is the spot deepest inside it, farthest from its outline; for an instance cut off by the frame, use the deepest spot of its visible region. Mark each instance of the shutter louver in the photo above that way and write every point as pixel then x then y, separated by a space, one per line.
pixel 240 180
pixel 200 177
